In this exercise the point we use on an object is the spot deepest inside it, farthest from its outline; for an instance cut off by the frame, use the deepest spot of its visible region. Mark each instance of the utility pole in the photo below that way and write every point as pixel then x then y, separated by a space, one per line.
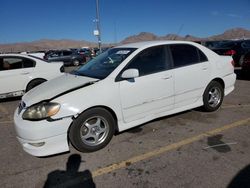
pixel 97 32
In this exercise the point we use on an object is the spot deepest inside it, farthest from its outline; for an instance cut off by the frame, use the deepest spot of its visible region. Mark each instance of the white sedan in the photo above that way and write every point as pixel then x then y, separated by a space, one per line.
pixel 20 73
pixel 121 88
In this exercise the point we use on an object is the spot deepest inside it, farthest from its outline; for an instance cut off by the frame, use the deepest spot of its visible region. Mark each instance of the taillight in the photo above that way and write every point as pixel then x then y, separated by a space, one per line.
pixel 230 52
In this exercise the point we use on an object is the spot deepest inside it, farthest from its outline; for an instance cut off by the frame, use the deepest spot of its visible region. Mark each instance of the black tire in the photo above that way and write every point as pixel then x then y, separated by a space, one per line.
pixel 213 96
pixel 34 83
pixel 92 130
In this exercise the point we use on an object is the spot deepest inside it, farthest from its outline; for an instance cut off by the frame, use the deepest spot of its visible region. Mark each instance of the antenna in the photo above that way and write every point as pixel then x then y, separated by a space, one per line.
pixel 98 29
pixel 115 33
pixel 180 29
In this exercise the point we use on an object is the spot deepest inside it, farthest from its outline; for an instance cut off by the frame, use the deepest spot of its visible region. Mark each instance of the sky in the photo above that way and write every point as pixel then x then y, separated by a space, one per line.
pixel 30 20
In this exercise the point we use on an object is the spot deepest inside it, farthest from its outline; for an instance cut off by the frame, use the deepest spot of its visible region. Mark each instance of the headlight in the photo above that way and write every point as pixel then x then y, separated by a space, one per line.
pixel 41 111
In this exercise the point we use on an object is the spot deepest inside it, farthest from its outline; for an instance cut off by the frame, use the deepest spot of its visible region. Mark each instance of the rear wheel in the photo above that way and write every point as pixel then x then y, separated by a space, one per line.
pixel 213 96
pixel 92 130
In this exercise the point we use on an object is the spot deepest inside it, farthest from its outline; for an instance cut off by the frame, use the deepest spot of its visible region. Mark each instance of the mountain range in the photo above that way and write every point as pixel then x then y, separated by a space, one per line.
pixel 46 44
pixel 231 34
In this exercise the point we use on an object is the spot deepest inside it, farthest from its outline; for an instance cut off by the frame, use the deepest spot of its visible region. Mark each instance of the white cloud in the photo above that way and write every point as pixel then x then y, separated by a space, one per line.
pixel 234 15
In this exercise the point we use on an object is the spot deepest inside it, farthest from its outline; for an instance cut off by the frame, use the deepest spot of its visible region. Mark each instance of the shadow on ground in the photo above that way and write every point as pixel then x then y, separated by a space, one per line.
pixel 242 179
pixel 70 177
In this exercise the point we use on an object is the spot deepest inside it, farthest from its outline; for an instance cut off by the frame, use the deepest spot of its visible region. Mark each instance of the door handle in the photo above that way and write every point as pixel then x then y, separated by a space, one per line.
pixel 204 67
pixel 24 73
pixel 167 77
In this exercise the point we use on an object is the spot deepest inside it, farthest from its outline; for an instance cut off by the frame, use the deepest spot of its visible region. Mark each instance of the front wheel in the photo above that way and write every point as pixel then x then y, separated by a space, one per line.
pixel 92 130
pixel 76 62
pixel 213 96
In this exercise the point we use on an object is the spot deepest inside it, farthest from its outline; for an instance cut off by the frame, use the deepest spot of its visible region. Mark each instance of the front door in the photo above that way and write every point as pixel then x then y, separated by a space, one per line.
pixel 153 91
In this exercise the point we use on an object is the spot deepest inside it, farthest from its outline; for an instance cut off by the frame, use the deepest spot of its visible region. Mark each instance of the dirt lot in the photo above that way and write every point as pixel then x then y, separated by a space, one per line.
pixel 190 149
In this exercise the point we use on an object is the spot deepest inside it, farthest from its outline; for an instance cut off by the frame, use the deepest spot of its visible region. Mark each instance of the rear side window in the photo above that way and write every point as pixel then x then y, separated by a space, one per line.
pixel 11 63
pixel 27 63
pixel 184 55
pixel 150 60
pixel 202 56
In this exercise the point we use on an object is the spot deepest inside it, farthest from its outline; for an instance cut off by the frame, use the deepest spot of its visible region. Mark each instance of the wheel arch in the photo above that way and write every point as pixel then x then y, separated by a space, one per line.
pixel 33 80
pixel 94 107
pixel 219 80
pixel 110 110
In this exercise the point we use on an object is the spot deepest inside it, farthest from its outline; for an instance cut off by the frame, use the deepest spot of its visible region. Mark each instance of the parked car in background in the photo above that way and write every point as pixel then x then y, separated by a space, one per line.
pixel 20 73
pixel 237 49
pixel 86 52
pixel 39 54
pixel 68 57
pixel 121 88
pixel 245 66
pixel 98 52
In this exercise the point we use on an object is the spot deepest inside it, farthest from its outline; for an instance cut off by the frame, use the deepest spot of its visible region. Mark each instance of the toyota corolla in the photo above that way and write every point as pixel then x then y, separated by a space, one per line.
pixel 121 88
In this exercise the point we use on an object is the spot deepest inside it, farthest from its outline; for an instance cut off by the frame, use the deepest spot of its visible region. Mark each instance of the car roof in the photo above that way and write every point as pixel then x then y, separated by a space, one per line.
pixel 153 43
pixel 23 55
pixel 14 54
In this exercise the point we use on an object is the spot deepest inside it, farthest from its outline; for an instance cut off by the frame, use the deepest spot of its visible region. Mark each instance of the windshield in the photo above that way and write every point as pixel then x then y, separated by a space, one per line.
pixel 102 65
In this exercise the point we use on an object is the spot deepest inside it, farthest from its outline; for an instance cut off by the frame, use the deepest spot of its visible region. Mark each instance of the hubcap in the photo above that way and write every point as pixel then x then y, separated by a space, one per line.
pixel 214 97
pixel 76 62
pixel 94 131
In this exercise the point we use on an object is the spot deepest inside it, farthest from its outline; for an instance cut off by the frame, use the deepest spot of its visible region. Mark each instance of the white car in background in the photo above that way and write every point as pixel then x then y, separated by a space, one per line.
pixel 20 73
pixel 35 54
pixel 121 88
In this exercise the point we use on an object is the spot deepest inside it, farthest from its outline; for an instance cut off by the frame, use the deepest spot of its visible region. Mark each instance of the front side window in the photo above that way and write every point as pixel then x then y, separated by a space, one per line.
pixel 150 60
pixel 54 54
pixel 102 65
pixel 184 54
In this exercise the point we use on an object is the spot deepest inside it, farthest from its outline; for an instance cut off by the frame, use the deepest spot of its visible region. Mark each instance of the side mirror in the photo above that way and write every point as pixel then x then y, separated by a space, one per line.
pixel 130 73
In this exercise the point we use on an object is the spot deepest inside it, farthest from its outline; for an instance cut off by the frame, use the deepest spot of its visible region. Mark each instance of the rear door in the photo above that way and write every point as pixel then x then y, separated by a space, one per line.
pixel 67 56
pixel 191 73
pixel 14 73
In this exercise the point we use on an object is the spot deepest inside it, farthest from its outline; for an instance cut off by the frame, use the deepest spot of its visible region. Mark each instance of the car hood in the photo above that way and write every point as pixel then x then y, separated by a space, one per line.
pixel 56 87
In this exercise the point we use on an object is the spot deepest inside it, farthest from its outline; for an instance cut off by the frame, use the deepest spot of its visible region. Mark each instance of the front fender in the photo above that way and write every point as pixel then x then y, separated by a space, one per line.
pixel 98 94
